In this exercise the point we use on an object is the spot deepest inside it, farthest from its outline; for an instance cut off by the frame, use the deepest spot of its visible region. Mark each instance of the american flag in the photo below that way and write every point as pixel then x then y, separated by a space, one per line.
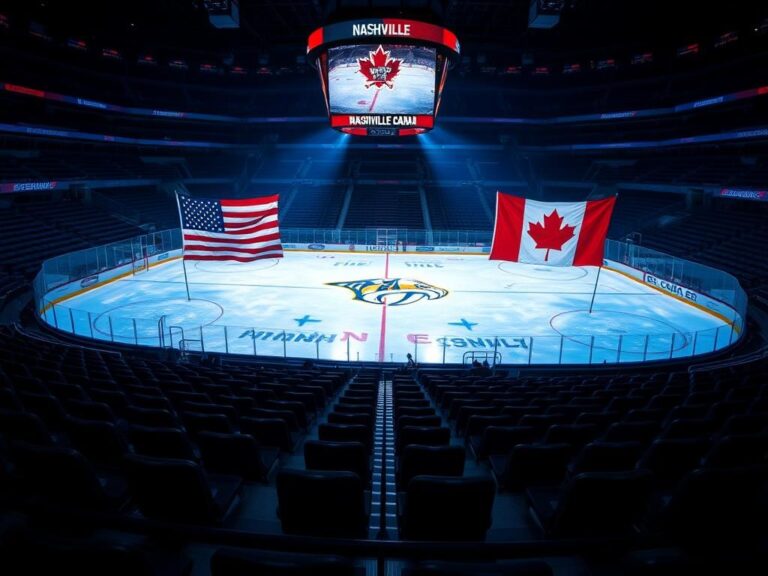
pixel 241 230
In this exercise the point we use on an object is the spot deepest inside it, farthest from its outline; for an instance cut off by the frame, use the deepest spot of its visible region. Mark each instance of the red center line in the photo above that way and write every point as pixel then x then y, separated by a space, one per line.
pixel 383 331
pixel 373 102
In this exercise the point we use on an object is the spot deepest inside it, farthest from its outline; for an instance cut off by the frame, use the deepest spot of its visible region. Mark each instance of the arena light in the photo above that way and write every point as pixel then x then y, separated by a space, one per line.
pixel 382 77
pixel 545 13
pixel 223 13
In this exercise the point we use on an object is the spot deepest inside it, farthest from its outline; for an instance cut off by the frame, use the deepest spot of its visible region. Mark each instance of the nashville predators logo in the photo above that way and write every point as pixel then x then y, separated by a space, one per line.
pixel 392 291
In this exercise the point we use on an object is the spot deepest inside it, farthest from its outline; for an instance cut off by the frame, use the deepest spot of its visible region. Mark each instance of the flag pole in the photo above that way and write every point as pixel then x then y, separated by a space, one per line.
pixel 183 260
pixel 599 269
pixel 594 292
pixel 186 280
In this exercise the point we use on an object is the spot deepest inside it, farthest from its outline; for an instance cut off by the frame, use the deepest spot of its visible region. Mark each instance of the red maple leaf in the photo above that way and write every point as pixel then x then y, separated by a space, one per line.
pixel 550 236
pixel 379 69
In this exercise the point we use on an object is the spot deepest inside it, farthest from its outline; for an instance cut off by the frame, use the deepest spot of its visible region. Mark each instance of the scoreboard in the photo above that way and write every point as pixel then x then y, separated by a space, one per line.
pixel 382 77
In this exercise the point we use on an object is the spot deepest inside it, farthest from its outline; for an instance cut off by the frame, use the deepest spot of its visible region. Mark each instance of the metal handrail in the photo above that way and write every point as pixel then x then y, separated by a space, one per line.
pixel 170 334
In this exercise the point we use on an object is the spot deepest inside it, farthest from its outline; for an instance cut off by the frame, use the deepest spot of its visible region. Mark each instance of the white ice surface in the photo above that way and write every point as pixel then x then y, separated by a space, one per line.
pixel 282 307
pixel 412 92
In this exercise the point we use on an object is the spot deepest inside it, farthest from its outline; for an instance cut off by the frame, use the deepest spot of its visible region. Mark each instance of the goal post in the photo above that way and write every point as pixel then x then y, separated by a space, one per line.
pixel 140 255
pixel 387 237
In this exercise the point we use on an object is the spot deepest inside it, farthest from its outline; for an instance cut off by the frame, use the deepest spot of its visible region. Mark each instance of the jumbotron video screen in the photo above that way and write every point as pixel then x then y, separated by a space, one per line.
pixel 381 79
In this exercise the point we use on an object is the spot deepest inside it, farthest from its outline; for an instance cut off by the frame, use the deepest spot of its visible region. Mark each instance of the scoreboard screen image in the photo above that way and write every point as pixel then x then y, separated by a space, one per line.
pixel 381 79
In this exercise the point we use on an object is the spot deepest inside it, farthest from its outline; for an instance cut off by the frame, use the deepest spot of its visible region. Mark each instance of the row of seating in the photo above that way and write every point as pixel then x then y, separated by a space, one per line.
pixel 612 457
pixel 435 501
pixel 331 497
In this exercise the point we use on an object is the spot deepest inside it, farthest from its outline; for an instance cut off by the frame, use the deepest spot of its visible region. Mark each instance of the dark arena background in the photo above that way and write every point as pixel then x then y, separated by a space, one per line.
pixel 383 287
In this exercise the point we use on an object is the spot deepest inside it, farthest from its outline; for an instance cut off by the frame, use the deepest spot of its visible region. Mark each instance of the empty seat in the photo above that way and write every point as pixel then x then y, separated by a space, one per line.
pixel 102 442
pixel 10 401
pixel 344 408
pixel 116 400
pixel 344 456
pixel 210 408
pixel 502 439
pixel 601 456
pixel 180 490
pixel 690 428
pixel 233 562
pixel 646 415
pixel 506 568
pixel 643 432
pixel 467 412
pixel 64 477
pixel 286 415
pixel 432 420
pixel 601 420
pixel 24 427
pixel 321 503
pixel 47 407
pixel 41 554
pixel 420 460
pixel 531 465
pixel 446 508
pixel 477 424
pixel 738 450
pixel 755 423
pixel 714 506
pixel 670 460
pixel 297 408
pixel 157 402
pixel 161 442
pixel 414 411
pixel 577 435
pixel 341 418
pixel 424 435
pixel 272 432
pixel 401 403
pixel 237 455
pixel 154 417
pixel 346 433
pixel 540 422
pixel 593 504
pixel 67 391
pixel 196 422
pixel 88 410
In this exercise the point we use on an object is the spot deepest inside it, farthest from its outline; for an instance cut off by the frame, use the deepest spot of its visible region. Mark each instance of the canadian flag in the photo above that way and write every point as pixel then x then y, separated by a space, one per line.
pixel 551 233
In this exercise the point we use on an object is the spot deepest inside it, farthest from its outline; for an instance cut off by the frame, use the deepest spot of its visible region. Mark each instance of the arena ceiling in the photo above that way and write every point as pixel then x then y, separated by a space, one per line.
pixel 585 24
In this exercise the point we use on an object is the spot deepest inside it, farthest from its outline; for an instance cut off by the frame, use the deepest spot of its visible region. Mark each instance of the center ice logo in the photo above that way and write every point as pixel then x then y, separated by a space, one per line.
pixel 379 69
pixel 396 291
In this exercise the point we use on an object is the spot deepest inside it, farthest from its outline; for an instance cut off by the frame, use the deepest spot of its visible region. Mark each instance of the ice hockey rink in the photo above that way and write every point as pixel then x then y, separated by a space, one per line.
pixel 380 306
pixel 413 92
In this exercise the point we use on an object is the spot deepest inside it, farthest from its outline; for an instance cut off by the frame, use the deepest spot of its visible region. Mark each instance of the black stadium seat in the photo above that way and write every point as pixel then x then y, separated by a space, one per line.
pixel 270 432
pixel 505 568
pixel 161 442
pixel 180 490
pixel 601 456
pixel 102 442
pixel 65 478
pixel 418 460
pixel 424 435
pixel 321 503
pixel 24 427
pixel 345 456
pixel 446 508
pixel 593 504
pixel 235 562
pixel 346 433
pixel 237 455
pixel 531 465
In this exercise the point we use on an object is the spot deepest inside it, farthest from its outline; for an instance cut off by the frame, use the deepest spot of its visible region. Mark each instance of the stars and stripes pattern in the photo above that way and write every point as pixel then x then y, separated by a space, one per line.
pixel 242 230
